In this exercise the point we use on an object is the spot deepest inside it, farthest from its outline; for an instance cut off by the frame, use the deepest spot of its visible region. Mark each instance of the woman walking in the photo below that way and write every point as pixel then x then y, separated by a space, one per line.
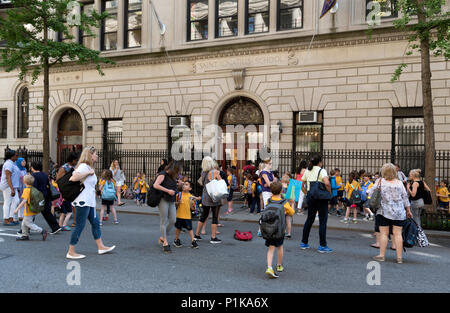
pixel 416 192
pixel 162 165
pixel 209 173
pixel 314 173
pixel 85 204
pixel 394 209
pixel 9 183
pixel 166 181
pixel 118 178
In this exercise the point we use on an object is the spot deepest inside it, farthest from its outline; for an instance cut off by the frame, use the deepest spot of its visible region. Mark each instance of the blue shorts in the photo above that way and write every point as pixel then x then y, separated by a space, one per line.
pixel 183 223
pixel 443 204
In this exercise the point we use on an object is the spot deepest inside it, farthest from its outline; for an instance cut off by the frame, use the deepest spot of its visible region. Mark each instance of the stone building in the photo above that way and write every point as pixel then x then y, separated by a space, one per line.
pixel 323 82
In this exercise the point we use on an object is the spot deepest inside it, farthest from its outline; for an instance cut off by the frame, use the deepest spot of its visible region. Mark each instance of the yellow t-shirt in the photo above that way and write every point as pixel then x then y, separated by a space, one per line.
pixel 339 182
pixel 444 192
pixel 184 208
pixel 26 195
pixel 143 186
pixel 349 189
pixel 288 210
pixel 136 183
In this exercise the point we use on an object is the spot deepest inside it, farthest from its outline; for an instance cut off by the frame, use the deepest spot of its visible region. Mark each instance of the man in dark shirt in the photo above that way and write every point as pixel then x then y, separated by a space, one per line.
pixel 42 183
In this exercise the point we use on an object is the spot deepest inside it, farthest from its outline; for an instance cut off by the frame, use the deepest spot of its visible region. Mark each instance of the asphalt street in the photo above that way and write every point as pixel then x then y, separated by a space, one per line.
pixel 139 265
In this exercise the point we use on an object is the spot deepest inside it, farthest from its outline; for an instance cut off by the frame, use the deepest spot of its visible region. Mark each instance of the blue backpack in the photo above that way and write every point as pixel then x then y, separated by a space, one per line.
pixel 109 192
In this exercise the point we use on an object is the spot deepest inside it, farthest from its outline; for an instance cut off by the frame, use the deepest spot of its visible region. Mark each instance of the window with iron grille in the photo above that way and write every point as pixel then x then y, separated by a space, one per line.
pixel 23 103
pixel 198 11
pixel 308 135
pixel 226 18
pixel 3 123
pixel 112 140
pixel 86 39
pixel 388 8
pixel 290 14
pixel 133 23
pixel 108 36
pixel 257 16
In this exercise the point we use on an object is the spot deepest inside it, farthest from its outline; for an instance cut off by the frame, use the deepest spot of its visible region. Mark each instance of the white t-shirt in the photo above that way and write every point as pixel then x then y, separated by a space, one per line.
pixel 15 175
pixel 311 175
pixel 87 196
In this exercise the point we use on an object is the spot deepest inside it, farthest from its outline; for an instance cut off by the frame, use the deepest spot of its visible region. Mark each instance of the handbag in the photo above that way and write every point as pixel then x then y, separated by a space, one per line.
pixel 217 190
pixel 318 191
pixel 154 195
pixel 427 199
pixel 375 199
pixel 54 193
pixel 422 240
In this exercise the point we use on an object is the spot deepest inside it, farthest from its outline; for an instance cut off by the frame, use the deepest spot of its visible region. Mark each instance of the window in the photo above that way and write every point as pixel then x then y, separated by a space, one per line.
pixel 257 16
pixel 290 14
pixel 23 102
pixel 133 23
pixel 408 138
pixel 197 20
pixel 112 140
pixel 84 38
pixel 3 123
pixel 62 38
pixel 227 18
pixel 388 8
pixel 308 135
pixel 108 36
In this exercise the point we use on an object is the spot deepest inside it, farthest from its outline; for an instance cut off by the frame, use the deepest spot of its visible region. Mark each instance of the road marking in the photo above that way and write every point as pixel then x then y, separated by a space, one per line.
pixel 9 229
pixel 9 235
pixel 366 235
pixel 2 240
pixel 435 245
pixel 425 254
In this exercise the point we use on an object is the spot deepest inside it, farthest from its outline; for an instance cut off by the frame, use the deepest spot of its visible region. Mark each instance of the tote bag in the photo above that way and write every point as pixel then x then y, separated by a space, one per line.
pixel 217 190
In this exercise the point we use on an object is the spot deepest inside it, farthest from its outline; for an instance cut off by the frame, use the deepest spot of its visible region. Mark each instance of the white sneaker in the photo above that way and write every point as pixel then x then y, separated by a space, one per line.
pixel 80 256
pixel 345 221
pixel 107 250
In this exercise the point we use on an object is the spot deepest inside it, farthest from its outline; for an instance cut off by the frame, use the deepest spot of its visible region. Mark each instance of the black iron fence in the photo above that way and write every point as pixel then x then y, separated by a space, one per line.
pixel 28 155
pixel 436 220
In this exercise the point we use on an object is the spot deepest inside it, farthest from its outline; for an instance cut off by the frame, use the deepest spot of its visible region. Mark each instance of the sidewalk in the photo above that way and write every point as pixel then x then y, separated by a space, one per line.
pixel 241 215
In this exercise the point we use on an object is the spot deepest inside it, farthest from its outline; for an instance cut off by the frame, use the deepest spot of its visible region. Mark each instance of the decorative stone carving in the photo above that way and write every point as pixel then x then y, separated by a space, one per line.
pixel 242 112
pixel 238 76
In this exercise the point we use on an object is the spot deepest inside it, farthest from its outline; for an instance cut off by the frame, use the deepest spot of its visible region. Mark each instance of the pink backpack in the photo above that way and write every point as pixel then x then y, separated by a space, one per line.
pixel 243 236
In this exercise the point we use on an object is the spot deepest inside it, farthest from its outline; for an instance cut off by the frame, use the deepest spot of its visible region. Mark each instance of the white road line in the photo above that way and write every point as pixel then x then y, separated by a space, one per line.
pixel 366 235
pixel 9 235
pixel 435 245
pixel 9 229
pixel 2 240
pixel 425 254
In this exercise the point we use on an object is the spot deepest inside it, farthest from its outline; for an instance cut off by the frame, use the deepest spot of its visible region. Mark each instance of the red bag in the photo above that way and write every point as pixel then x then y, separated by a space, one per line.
pixel 243 236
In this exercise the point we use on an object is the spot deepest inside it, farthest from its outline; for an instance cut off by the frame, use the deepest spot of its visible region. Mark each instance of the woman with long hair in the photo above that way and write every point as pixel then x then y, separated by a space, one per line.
pixel 416 191
pixel 314 173
pixel 209 172
pixel 85 204
pixel 118 179
pixel 166 181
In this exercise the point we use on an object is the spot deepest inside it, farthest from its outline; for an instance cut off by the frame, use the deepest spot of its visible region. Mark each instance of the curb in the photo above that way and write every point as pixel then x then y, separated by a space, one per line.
pixel 431 235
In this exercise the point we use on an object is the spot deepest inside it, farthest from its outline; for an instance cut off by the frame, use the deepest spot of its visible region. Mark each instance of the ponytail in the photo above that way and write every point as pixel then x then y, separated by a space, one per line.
pixel 315 160
pixel 310 166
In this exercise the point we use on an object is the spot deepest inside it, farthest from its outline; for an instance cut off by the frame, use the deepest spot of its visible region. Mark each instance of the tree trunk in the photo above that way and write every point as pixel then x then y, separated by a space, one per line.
pixel 430 150
pixel 45 123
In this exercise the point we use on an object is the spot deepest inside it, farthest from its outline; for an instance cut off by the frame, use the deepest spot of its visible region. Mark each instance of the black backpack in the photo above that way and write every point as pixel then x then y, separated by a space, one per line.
pixel 355 198
pixel 69 190
pixel 409 234
pixel 273 220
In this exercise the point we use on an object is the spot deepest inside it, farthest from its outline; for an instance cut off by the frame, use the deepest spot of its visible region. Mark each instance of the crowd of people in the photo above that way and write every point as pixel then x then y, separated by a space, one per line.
pixel 262 188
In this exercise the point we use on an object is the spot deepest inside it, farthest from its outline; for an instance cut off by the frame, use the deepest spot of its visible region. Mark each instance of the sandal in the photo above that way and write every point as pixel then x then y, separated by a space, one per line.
pixel 399 261
pixel 379 258
pixel 375 246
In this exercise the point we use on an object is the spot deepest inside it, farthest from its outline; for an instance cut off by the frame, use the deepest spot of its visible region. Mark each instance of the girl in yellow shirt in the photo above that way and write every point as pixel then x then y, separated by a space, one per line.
pixel 351 186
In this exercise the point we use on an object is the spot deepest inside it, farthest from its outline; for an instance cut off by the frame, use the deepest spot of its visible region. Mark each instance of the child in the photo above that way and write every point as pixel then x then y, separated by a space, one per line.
pixel 334 195
pixel 352 186
pixel 276 188
pixel 184 218
pixel 58 202
pixel 27 222
pixel 143 188
pixel 136 187
pixel 285 184
pixel 249 191
pixel 442 195
pixel 366 185
pixel 340 190
pixel 108 195
pixel 232 186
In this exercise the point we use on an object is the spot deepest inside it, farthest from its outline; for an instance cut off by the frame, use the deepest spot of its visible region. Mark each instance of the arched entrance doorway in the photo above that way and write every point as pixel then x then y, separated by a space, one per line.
pixel 242 123
pixel 70 134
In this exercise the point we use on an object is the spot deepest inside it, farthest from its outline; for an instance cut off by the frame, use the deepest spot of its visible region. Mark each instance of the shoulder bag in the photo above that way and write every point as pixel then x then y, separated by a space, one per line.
pixel 318 191
pixel 375 199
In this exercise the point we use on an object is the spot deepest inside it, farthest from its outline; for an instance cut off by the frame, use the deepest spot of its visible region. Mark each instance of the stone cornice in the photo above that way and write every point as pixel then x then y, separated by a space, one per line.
pixel 320 42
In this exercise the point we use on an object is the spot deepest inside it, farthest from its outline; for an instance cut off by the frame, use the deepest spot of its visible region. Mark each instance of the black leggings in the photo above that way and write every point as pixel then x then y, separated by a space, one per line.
pixel 215 212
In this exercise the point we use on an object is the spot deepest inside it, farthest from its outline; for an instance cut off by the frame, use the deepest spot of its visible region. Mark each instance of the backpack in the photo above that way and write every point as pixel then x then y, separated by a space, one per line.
pixel 69 190
pixel 355 198
pixel 233 183
pixel 243 236
pixel 409 233
pixel 37 201
pixel 273 221
pixel 109 192
pixel 258 189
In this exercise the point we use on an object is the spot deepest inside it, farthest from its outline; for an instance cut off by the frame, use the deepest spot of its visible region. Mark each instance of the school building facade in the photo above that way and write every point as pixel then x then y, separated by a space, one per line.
pixel 319 83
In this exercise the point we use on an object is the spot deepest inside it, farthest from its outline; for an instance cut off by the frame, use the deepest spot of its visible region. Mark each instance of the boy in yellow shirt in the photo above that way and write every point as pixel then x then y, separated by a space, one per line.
pixel 27 222
pixel 184 218
pixel 276 189
pixel 442 195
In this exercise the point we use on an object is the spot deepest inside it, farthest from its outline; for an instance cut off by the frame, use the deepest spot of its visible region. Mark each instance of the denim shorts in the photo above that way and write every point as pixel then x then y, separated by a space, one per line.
pixel 443 204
